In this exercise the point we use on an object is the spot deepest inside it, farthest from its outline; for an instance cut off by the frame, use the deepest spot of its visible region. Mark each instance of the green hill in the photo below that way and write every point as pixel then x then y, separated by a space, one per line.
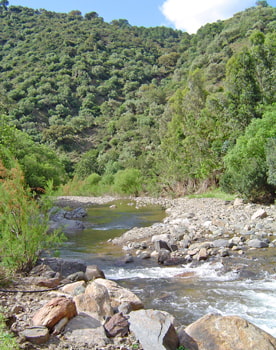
pixel 109 97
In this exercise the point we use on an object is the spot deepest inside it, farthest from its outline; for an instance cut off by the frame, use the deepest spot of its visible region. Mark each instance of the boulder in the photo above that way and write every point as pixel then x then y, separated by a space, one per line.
pixel 257 243
pixel 120 295
pixel 221 243
pixel 65 267
pixel 202 254
pixel 77 276
pixel 216 332
pixel 56 309
pixel 76 213
pixel 117 325
pixel 95 300
pixel 154 329
pixel 74 288
pixel 163 255
pixel 185 340
pixel 84 330
pixel 92 272
pixel 36 335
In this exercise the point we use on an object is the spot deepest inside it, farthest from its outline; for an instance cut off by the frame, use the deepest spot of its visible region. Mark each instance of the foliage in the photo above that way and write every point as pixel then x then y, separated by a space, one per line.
pixel 270 151
pixel 246 163
pixel 97 97
pixel 7 340
pixel 128 181
pixel 23 222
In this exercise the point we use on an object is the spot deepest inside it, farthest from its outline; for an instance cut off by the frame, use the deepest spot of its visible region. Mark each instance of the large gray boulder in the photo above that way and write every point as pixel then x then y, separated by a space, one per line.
pixel 216 332
pixel 85 330
pixel 154 329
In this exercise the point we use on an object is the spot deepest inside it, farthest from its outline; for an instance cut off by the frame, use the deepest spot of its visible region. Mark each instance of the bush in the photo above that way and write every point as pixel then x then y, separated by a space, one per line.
pixel 23 222
pixel 7 340
pixel 249 168
pixel 128 181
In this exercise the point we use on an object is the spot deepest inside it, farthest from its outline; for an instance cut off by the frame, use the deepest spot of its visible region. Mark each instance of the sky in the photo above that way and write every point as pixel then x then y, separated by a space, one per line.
pixel 186 15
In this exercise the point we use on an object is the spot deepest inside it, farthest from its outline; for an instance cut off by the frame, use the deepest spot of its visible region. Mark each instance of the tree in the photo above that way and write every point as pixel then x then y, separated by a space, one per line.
pixel 249 166
pixel 3 5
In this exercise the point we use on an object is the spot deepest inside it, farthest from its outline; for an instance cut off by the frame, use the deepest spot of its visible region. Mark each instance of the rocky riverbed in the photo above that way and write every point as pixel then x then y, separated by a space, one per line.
pixel 194 231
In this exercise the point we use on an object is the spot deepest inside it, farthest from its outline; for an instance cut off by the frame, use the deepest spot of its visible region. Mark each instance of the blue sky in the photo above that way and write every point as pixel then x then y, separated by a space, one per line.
pixel 188 15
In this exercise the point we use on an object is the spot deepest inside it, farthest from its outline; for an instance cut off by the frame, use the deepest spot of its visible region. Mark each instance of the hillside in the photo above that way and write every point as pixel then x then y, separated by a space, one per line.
pixel 108 97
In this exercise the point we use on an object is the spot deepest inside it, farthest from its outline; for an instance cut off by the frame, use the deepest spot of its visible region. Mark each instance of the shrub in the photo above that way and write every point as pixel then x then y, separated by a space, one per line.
pixel 249 168
pixel 128 181
pixel 23 222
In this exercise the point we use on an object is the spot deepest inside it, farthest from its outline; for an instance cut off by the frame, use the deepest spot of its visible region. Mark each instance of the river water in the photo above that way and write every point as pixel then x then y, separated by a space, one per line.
pixel 235 286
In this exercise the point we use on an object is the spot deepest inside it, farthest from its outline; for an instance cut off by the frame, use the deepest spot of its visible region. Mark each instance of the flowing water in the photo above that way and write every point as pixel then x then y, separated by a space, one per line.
pixel 188 292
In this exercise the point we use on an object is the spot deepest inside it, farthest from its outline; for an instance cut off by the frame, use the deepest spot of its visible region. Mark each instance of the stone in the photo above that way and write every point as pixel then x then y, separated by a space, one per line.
pixel 76 213
pixel 49 283
pixel 77 276
pixel 185 340
pixel 259 214
pixel 92 272
pixel 84 330
pixel 202 254
pixel 65 267
pixel 229 333
pixel 220 243
pixel 237 202
pixel 74 288
pixel 257 243
pixel 95 300
pixel 163 255
pixel 120 295
pixel 117 325
pixel 154 329
pixel 60 325
pixel 51 313
pixel 159 245
pixel 36 335
pixel 162 237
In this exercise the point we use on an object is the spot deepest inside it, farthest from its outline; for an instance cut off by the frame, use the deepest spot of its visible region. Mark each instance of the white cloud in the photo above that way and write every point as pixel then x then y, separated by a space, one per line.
pixel 190 15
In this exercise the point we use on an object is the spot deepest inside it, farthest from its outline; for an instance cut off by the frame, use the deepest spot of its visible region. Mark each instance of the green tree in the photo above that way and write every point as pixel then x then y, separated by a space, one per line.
pixel 247 165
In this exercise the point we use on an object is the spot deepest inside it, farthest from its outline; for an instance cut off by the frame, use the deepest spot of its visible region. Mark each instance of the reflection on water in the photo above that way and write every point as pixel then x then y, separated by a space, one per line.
pixel 187 292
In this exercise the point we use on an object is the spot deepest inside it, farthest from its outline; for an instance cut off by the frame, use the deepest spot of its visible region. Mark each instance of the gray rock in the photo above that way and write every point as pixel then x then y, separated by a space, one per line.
pixel 220 243
pixel 154 329
pixel 65 267
pixel 36 335
pixel 77 213
pixel 93 271
pixel 85 330
pixel 259 214
pixel 257 243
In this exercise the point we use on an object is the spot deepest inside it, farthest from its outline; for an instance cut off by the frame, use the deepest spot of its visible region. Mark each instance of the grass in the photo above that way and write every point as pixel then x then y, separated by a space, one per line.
pixel 216 193
pixel 7 341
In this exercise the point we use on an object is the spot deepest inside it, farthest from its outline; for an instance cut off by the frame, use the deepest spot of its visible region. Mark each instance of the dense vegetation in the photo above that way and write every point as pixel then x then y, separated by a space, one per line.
pixel 113 107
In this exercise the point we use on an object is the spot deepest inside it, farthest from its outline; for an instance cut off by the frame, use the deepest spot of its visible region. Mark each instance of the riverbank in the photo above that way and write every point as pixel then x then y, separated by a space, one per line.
pixel 189 230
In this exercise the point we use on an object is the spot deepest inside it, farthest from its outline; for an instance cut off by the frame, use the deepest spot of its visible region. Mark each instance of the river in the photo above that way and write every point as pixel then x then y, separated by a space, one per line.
pixel 188 292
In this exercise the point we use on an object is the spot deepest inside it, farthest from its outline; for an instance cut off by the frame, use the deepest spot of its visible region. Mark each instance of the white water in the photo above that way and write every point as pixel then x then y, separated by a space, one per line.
pixel 203 289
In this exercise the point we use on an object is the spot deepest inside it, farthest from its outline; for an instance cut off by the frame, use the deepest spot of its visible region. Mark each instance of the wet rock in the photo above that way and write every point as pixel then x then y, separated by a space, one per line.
pixel 163 256
pixel 84 330
pixel 77 213
pixel 92 272
pixel 154 329
pixel 117 325
pixel 36 335
pixel 120 295
pixel 229 333
pixel 51 313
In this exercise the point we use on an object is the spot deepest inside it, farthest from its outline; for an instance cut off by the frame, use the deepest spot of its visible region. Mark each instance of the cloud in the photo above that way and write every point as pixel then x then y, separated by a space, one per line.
pixel 190 15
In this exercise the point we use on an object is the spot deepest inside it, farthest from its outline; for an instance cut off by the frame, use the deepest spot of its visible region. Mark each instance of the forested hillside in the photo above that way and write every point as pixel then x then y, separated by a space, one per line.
pixel 149 110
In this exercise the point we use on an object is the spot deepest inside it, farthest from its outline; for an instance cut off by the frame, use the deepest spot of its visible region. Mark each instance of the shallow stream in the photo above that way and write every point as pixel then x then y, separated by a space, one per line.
pixel 188 292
